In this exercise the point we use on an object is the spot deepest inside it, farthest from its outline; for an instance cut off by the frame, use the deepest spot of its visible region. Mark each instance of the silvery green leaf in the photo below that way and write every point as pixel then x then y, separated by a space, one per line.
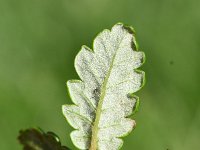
pixel 104 97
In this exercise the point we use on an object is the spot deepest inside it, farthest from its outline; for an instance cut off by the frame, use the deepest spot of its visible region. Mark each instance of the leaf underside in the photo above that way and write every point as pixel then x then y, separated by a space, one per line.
pixel 103 98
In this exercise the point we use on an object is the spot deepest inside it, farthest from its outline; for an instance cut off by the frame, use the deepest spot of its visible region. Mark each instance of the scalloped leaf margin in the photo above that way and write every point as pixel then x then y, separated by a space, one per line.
pixel 104 97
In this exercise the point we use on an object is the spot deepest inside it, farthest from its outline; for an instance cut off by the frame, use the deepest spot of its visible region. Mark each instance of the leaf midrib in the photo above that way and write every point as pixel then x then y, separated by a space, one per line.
pixel 94 139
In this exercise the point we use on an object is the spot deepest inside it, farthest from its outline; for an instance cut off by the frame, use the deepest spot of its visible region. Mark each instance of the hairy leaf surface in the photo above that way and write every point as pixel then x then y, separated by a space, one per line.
pixel 103 98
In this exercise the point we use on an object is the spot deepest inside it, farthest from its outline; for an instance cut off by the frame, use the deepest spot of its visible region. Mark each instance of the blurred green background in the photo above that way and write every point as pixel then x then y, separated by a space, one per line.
pixel 40 38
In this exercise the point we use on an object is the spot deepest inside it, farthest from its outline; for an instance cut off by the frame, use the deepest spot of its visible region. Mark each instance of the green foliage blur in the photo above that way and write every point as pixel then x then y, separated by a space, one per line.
pixel 38 43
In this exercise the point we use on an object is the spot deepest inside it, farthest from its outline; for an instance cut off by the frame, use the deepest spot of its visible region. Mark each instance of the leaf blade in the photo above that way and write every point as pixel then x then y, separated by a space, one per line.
pixel 109 77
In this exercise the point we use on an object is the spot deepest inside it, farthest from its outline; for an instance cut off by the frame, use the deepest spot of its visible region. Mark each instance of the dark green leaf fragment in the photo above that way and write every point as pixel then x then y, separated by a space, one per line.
pixel 36 139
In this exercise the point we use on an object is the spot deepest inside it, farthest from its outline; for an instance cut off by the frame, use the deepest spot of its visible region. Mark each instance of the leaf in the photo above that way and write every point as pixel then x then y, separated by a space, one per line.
pixel 103 98
pixel 36 139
